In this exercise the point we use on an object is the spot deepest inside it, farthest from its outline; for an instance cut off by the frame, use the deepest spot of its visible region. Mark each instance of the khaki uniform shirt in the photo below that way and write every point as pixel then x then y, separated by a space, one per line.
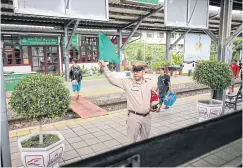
pixel 138 93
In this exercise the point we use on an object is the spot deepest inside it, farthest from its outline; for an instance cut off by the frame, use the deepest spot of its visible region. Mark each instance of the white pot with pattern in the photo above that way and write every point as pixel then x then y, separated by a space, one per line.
pixel 42 157
pixel 208 111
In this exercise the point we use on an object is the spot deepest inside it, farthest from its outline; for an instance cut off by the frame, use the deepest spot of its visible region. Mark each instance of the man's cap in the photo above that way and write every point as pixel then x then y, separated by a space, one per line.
pixel 139 64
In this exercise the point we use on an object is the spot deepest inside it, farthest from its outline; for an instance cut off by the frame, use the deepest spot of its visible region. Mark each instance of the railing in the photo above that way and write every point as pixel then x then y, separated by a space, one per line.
pixel 173 148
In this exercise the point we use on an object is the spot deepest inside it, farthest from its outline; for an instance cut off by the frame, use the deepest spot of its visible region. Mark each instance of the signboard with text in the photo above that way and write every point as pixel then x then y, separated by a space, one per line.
pixel 38 40
pixel 12 80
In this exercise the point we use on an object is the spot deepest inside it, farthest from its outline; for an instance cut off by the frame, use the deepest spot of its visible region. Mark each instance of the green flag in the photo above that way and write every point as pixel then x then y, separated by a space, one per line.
pixel 107 50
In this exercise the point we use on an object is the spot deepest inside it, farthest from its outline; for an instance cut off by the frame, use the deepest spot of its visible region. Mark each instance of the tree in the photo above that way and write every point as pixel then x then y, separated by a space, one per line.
pixel 238 46
pixel 145 51
pixel 213 52
pixel 177 59
pixel 139 55
pixel 236 51
pixel 38 96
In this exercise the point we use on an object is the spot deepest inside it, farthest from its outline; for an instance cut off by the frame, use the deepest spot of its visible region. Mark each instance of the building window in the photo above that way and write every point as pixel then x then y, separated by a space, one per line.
pixel 89 49
pixel 150 35
pixel 74 53
pixel 13 55
pixel 25 50
pixel 160 35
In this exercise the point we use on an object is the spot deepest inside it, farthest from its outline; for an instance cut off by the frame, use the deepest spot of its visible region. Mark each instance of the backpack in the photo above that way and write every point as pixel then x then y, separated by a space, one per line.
pixel 77 74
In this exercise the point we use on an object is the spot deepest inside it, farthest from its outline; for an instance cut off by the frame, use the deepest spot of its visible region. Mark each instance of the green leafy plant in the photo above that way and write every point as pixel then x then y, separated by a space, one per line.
pixel 177 59
pixel 160 64
pixel 84 70
pixel 214 74
pixel 38 96
pixel 156 65
pixel 94 70
pixel 139 55
pixel 165 63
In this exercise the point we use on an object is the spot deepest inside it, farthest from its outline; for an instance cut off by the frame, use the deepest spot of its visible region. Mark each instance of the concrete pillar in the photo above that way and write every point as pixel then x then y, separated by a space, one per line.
pixel 224 29
pixel 66 57
pixel 4 140
pixel 119 50
pixel 167 51
pixel 224 33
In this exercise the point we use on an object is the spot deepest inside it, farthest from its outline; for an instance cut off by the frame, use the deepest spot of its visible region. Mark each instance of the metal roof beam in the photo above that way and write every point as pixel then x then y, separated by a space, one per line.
pixel 131 34
pixel 143 17
pixel 70 23
pixel 234 35
pixel 30 33
pixel 73 33
pixel 212 36
pixel 182 36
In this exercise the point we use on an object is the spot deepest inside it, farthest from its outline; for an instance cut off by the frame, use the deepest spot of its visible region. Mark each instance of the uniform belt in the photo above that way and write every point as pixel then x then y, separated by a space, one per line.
pixel 140 114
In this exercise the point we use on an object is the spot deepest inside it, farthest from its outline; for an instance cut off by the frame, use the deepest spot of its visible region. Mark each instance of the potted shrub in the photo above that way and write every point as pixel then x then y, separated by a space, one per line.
pixel 177 60
pixel 216 75
pixel 36 97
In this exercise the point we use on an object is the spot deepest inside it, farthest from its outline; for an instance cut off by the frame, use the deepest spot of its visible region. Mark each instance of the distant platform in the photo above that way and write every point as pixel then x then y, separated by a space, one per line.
pixel 85 108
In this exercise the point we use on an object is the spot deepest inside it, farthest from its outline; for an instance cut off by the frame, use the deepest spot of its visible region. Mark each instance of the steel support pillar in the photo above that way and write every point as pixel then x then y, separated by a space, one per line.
pixel 119 50
pixel 224 33
pixel 66 56
pixel 182 36
pixel 67 42
pixel 5 148
pixel 224 28
pixel 167 51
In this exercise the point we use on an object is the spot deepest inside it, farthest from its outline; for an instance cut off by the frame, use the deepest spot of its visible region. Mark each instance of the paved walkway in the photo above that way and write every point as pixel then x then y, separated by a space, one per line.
pixel 102 86
pixel 87 137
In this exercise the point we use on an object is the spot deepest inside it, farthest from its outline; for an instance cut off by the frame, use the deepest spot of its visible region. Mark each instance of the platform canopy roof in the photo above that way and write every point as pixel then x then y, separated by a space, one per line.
pixel 120 15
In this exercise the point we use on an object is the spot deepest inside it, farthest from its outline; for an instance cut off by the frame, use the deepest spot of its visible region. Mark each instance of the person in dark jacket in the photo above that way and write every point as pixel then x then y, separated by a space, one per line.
pixel 75 75
pixel 164 87
pixel 240 64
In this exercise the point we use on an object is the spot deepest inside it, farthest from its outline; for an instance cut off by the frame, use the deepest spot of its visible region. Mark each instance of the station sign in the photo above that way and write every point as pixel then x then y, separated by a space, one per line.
pixel 38 40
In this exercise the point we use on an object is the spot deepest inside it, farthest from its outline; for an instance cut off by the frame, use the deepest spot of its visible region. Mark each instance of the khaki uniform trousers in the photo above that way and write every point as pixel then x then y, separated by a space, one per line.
pixel 138 125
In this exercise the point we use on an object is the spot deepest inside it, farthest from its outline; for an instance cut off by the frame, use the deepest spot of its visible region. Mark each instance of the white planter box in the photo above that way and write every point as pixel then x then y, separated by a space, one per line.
pixel 208 111
pixel 42 157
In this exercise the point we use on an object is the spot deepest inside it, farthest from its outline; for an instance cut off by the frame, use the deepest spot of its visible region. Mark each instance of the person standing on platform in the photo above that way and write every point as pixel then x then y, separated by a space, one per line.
pixel 138 91
pixel 75 75
pixel 240 64
pixel 164 87
pixel 235 70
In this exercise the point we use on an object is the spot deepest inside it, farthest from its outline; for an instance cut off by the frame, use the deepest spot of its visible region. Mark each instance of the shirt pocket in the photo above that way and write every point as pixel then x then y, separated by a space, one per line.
pixel 135 88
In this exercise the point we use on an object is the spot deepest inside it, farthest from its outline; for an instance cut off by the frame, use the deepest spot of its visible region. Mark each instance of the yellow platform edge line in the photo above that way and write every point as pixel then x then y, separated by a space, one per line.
pixel 61 125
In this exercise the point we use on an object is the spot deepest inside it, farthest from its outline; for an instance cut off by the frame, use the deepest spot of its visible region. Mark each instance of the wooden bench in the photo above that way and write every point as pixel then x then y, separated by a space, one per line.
pixel 232 99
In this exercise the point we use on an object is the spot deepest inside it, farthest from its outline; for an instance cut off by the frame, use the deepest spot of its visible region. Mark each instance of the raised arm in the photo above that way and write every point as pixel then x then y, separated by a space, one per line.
pixel 110 76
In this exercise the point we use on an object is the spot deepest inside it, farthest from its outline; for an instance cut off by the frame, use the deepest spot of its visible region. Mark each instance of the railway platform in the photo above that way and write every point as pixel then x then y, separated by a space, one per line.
pixel 88 137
